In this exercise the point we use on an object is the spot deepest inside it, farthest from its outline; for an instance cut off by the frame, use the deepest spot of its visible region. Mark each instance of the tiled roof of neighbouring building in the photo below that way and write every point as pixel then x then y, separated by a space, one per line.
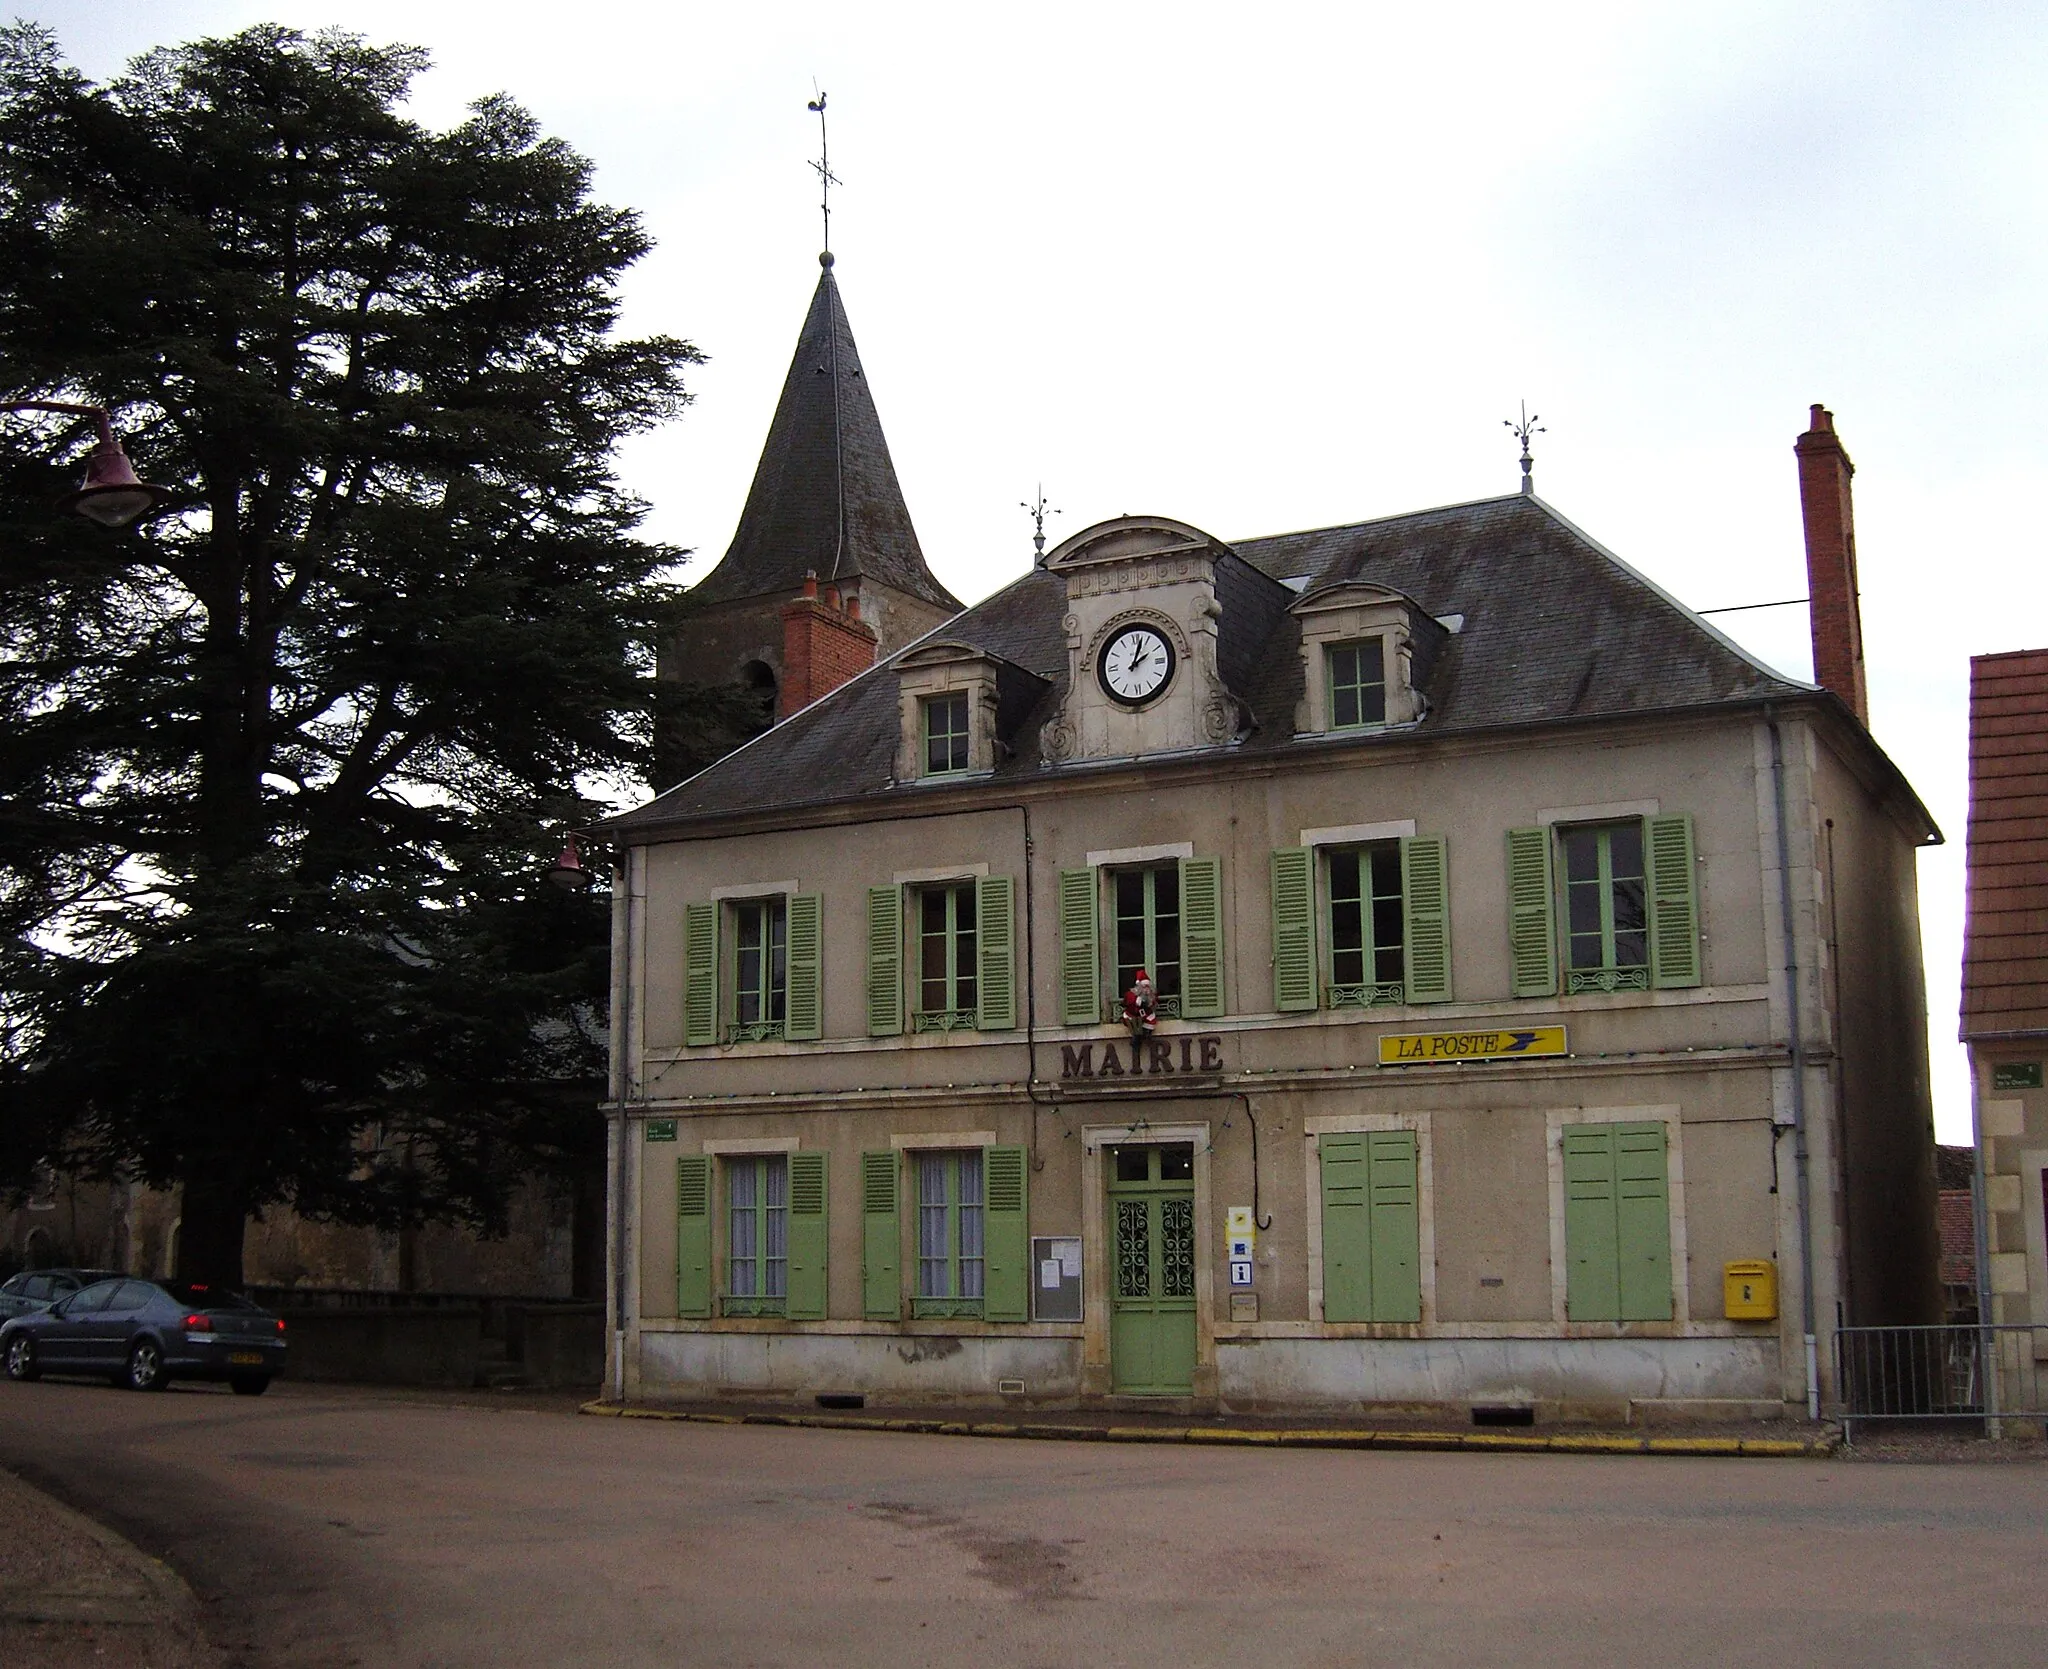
pixel 2005 933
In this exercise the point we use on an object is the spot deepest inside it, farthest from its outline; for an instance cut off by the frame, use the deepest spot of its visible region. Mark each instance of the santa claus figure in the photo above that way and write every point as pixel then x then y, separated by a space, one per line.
pixel 1141 1006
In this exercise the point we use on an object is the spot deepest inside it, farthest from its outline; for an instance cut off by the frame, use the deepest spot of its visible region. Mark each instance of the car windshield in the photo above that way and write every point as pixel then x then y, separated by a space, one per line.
pixel 201 1295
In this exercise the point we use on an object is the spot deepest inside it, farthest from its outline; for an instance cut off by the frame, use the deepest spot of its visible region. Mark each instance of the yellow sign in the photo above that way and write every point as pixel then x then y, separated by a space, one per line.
pixel 1418 1047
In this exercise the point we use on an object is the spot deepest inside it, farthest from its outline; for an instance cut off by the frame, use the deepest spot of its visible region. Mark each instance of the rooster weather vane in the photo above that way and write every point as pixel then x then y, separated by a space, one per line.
pixel 826 178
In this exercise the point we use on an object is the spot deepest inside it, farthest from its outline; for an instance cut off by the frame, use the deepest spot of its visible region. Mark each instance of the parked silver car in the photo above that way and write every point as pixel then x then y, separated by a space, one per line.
pixel 38 1289
pixel 144 1334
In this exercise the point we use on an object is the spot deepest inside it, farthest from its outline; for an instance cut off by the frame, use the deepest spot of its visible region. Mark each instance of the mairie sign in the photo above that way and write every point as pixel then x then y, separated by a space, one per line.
pixel 1416 1048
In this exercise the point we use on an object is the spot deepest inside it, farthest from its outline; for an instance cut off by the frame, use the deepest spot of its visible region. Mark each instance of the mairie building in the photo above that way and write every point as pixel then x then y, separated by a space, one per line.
pixel 1535 1014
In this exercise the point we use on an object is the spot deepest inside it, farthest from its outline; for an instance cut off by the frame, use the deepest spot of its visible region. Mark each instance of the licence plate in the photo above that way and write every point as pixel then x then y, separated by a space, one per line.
pixel 246 1358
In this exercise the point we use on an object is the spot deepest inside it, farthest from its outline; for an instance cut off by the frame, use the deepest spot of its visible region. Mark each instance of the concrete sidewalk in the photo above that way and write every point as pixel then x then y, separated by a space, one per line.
pixel 1789 1442
pixel 73 1594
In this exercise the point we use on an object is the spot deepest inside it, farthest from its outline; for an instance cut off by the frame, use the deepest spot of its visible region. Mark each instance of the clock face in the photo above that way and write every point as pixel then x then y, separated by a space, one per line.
pixel 1135 665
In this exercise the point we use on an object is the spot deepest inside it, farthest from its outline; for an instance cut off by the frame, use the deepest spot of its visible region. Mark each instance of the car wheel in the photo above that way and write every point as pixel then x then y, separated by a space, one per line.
pixel 21 1358
pixel 249 1384
pixel 145 1371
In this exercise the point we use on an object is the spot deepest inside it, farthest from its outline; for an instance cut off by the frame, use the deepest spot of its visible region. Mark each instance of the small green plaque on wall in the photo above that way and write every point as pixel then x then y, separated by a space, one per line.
pixel 664 1129
pixel 2016 1075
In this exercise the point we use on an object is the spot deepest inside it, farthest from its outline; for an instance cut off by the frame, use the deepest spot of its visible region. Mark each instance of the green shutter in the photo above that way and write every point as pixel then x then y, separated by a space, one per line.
pixel 1201 938
pixel 881 1244
pixel 1643 1222
pixel 693 1234
pixel 1532 913
pixel 1294 929
pixel 700 973
pixel 1674 908
pixel 1592 1283
pixel 803 1017
pixel 995 987
pixel 1007 1229
pixel 1426 919
pixel 885 961
pixel 1347 1229
pixel 807 1237
pixel 1080 957
pixel 1396 1226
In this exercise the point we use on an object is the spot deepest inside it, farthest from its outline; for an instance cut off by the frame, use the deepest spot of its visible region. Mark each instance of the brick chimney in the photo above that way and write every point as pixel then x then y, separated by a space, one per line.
pixel 1834 611
pixel 824 643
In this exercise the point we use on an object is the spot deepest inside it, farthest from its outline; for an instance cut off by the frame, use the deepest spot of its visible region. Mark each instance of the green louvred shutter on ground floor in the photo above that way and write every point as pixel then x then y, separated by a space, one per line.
pixel 1294 929
pixel 1674 902
pixel 995 918
pixel 1007 1248
pixel 693 1235
pixel 700 973
pixel 1426 919
pixel 1372 1226
pixel 803 1012
pixel 1080 957
pixel 808 1237
pixel 1201 938
pixel 1643 1222
pixel 885 961
pixel 1532 913
pixel 881 1245
pixel 1592 1282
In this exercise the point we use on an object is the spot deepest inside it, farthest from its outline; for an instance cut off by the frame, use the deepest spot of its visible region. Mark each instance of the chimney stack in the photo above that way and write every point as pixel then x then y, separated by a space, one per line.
pixel 824 643
pixel 1834 611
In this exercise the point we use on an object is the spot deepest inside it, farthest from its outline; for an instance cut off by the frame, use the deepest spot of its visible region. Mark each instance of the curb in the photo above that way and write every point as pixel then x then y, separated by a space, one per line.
pixel 1490 1442
pixel 165 1596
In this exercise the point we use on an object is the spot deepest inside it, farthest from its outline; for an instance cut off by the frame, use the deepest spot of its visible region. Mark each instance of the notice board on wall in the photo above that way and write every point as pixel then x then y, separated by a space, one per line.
pixel 1055 1277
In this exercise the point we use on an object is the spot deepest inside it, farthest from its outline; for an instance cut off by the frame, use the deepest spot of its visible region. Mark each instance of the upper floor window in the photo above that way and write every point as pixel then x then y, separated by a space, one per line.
pixel 1358 683
pixel 1365 925
pixel 760 994
pixel 945 733
pixel 1607 919
pixel 1148 932
pixel 947 957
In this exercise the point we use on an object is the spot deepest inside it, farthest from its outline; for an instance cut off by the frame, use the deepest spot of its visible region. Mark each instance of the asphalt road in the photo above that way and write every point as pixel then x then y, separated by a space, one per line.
pixel 327 1527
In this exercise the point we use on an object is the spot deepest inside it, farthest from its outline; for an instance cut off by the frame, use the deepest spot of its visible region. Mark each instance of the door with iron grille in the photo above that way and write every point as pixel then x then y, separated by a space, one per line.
pixel 1152 1268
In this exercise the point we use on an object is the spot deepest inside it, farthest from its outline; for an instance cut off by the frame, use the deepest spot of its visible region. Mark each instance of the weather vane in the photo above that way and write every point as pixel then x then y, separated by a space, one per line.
pixel 826 178
pixel 1038 514
pixel 1523 430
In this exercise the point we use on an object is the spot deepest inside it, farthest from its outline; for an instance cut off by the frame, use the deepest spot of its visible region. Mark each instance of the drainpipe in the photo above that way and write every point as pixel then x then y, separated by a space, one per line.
pixel 621 1074
pixel 1980 1232
pixel 1800 1164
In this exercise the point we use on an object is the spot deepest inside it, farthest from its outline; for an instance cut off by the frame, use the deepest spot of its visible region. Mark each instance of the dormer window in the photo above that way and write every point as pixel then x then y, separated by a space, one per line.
pixel 945 733
pixel 1358 683
pixel 1366 656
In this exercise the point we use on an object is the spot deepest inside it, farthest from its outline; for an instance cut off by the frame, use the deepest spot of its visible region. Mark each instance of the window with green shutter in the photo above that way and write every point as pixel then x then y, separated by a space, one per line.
pixel 951 1224
pixel 693 1235
pixel 881 1245
pixel 700 974
pixel 803 1012
pixel 1007 1227
pixel 1607 908
pixel 948 957
pixel 1201 904
pixel 756 1234
pixel 996 917
pixel 1674 904
pixel 1147 932
pixel 1426 918
pixel 1367 925
pixel 1617 1222
pixel 885 961
pixel 1080 950
pixel 760 970
pixel 809 1237
pixel 1372 1226
pixel 1294 929
pixel 1532 914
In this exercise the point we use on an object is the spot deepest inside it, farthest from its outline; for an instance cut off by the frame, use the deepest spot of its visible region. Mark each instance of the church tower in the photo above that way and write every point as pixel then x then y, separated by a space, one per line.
pixel 824 573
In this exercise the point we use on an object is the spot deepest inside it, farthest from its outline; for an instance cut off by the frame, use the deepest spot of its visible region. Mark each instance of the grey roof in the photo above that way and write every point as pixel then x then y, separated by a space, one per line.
pixel 825 497
pixel 1554 628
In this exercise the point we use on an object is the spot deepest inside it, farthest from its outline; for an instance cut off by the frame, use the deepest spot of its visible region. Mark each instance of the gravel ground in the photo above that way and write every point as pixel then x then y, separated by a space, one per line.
pixel 73 1595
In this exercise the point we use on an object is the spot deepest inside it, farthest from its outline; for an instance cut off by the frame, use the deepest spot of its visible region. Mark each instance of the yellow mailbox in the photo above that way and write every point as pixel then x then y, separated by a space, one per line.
pixel 1750 1290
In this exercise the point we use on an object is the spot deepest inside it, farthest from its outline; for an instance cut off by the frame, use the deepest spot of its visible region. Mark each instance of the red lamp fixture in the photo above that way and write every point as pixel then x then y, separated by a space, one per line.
pixel 112 494
pixel 569 872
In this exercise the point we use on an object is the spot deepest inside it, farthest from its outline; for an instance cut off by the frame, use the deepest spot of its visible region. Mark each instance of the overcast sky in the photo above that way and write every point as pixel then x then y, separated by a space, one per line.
pixel 1273 268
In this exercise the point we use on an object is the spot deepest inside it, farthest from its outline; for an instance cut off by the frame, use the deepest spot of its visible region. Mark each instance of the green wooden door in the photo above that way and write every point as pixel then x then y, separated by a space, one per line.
pixel 1152 1269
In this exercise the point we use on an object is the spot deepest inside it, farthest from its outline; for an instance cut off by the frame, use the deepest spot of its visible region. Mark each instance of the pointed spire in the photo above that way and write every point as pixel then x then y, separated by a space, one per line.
pixel 825 496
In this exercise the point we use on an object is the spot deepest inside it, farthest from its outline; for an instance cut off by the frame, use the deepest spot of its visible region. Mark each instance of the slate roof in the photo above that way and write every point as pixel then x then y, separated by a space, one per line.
pixel 2005 931
pixel 1554 628
pixel 825 496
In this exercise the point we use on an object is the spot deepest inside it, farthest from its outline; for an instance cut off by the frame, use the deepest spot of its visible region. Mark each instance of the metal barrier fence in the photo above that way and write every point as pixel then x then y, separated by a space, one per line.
pixel 1988 1374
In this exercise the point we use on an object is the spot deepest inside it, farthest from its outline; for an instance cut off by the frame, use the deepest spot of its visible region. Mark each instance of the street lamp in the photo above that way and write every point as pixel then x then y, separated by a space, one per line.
pixel 568 871
pixel 111 495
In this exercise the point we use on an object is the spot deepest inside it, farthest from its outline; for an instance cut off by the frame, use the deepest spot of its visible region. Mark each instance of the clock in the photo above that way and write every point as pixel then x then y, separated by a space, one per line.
pixel 1135 665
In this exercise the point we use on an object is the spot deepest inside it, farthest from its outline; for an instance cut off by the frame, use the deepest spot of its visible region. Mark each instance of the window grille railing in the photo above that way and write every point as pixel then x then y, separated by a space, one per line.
pixel 946 1306
pixel 1167 1008
pixel 1385 994
pixel 944 1020
pixel 754 1031
pixel 1606 979
pixel 749 1304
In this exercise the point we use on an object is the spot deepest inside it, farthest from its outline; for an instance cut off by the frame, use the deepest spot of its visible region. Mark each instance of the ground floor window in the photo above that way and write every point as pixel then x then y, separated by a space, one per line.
pixel 951 1260
pixel 1617 1222
pixel 1372 1226
pixel 757 1234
